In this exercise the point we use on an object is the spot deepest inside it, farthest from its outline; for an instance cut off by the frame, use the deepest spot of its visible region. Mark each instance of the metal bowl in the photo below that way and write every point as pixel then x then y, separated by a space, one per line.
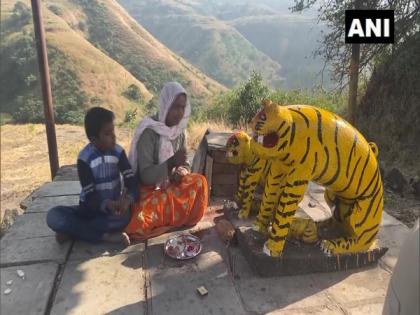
pixel 183 246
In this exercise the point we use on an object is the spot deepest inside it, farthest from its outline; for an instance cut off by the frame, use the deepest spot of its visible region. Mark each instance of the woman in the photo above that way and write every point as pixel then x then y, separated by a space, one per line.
pixel 170 196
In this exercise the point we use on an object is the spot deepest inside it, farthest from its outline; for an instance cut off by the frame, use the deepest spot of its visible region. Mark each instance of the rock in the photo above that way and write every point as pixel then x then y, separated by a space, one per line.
pixel 396 181
pixel 415 185
pixel 225 230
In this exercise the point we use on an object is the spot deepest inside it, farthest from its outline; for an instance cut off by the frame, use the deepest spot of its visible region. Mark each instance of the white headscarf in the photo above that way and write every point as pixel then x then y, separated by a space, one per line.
pixel 167 96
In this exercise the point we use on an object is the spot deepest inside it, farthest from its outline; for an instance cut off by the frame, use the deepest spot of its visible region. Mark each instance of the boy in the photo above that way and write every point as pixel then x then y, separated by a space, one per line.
pixel 103 210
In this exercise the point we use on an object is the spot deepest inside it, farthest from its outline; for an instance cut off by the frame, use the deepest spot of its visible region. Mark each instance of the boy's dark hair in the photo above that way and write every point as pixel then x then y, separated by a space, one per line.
pixel 95 119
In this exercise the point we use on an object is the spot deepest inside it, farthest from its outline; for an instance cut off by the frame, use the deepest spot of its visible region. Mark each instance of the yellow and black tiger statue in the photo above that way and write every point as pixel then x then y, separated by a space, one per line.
pixel 255 172
pixel 306 143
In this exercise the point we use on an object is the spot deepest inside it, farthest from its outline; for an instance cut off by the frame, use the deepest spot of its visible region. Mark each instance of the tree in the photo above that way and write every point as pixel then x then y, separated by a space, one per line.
pixel 348 61
pixel 247 100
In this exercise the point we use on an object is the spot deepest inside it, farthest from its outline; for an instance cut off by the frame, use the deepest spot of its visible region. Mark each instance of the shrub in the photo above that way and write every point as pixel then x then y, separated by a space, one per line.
pixel 133 93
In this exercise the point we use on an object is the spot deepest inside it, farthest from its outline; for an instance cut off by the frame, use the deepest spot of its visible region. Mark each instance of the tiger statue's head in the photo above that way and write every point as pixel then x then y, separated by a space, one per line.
pixel 238 148
pixel 270 127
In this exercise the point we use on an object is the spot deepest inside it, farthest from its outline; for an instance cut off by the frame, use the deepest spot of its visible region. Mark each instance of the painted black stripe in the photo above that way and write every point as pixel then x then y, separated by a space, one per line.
pixel 371 238
pixel 255 161
pixel 278 176
pixel 286 157
pixel 368 210
pixel 285 132
pixel 318 114
pixel 283 145
pixel 289 213
pixel 278 238
pixel 367 231
pixel 291 202
pixel 377 184
pixel 363 172
pixel 337 172
pixel 273 194
pixel 352 176
pixel 377 207
pixel 315 163
pixel 290 163
pixel 265 167
pixel 276 184
pixel 286 214
pixel 375 175
pixel 293 170
pixel 350 155
pixel 326 164
pixel 336 131
pixel 284 194
pixel 284 226
pixel 281 126
pixel 308 145
pixel 302 115
pixel 292 134
pixel 299 183
pixel 254 170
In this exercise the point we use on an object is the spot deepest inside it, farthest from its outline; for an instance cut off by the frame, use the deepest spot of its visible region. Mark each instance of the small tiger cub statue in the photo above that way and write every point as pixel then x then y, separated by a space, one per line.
pixel 254 173
pixel 312 144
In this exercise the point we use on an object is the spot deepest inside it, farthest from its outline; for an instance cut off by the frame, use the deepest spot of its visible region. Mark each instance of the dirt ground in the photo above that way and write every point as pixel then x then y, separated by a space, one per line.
pixel 24 158
pixel 406 209
pixel 25 164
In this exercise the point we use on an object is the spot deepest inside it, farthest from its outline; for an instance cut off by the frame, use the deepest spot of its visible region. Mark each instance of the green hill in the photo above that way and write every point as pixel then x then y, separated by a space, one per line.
pixel 214 46
pixel 290 40
pixel 98 55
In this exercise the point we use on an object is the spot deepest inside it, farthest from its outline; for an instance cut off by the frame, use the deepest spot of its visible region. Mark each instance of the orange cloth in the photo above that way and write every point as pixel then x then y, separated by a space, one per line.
pixel 158 211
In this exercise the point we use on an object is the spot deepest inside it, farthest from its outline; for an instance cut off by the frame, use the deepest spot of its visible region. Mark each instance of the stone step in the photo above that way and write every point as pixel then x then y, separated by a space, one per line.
pixel 31 294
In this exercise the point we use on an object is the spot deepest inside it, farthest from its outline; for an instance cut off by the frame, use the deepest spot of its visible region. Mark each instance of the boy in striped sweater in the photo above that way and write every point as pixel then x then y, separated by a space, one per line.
pixel 104 207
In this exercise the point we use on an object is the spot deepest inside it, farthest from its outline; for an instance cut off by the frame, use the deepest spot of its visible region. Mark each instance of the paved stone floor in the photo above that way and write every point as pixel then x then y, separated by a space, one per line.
pixel 79 278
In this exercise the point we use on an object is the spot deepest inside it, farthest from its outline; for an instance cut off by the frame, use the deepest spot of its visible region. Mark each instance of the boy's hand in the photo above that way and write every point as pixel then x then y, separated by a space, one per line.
pixel 113 206
pixel 123 203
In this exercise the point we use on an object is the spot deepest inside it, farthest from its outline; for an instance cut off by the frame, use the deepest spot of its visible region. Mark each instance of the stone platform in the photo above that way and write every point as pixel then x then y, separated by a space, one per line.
pixel 299 259
pixel 80 278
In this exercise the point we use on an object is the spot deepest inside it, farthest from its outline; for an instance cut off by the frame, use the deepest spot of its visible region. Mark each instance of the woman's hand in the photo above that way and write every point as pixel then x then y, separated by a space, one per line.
pixel 179 173
pixel 180 157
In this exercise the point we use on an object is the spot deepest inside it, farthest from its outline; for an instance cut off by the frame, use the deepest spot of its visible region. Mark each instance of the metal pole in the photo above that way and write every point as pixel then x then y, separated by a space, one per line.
pixel 44 72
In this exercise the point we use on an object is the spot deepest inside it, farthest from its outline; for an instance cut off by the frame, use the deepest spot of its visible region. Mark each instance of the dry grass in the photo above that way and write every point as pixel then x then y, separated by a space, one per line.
pixel 24 155
pixel 197 130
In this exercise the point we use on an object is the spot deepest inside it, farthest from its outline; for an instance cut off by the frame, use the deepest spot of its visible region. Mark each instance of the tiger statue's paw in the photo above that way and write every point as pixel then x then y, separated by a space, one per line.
pixel 243 214
pixel 259 227
pixel 270 250
pixel 305 230
pixel 327 247
pixel 346 245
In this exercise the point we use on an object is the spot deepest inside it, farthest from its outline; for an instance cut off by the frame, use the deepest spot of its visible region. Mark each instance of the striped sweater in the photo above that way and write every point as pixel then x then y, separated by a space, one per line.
pixel 101 174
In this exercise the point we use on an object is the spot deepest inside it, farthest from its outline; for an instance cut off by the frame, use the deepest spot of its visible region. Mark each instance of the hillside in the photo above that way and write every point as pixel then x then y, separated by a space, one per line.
pixel 290 40
pixel 97 53
pixel 220 36
pixel 389 112
pixel 214 46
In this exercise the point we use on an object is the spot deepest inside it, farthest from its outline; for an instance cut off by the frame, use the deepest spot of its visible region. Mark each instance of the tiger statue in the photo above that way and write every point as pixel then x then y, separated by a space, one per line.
pixel 311 144
pixel 254 173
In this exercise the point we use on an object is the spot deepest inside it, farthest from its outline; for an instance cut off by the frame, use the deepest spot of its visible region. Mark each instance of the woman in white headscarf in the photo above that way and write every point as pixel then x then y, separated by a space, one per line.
pixel 170 196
